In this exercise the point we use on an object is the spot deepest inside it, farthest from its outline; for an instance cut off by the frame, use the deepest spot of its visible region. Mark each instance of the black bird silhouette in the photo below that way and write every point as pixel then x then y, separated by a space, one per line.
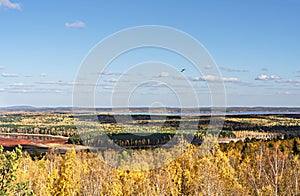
pixel 182 70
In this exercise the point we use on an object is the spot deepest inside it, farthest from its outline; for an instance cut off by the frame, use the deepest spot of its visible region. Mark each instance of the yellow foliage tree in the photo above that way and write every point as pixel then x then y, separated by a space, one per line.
pixel 66 180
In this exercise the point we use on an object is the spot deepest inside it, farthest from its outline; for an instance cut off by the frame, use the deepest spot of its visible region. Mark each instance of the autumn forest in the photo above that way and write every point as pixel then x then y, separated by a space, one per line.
pixel 251 155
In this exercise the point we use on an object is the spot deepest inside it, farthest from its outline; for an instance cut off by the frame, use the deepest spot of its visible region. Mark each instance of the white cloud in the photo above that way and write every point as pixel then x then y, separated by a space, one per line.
pixel 110 73
pixel 112 80
pixel 2 67
pixel 231 80
pixel 10 5
pixel 233 70
pixel 59 82
pixel 108 87
pixel 155 84
pixel 9 75
pixel 262 77
pixel 43 74
pixel 274 77
pixel 266 77
pixel 211 78
pixel 163 74
pixel 197 79
pixel 289 81
pixel 58 91
pixel 51 82
pixel 179 78
pixel 22 90
pixel 18 84
pixel 64 83
pixel 207 67
pixel 77 24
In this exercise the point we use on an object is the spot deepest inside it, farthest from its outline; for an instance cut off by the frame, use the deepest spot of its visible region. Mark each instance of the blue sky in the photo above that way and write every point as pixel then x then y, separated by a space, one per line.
pixel 255 44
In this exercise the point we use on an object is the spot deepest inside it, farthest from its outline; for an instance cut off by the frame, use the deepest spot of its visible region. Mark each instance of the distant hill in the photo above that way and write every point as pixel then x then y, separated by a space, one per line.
pixel 206 110
pixel 27 108
pixel 18 108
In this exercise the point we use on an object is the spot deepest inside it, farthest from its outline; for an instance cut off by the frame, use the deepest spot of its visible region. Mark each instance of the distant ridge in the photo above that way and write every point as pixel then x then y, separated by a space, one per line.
pixel 32 108
pixel 21 107
pixel 237 110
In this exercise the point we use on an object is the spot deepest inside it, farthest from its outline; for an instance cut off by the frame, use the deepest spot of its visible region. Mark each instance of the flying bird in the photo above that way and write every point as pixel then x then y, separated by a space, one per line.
pixel 182 70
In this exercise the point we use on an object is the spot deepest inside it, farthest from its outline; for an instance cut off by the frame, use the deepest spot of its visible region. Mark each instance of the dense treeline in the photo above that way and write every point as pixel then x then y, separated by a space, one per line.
pixel 253 167
pixel 66 130
pixel 65 124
